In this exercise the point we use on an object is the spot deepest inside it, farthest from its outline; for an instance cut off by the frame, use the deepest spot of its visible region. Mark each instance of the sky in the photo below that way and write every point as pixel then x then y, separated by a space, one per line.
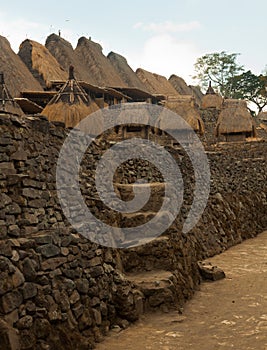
pixel 164 37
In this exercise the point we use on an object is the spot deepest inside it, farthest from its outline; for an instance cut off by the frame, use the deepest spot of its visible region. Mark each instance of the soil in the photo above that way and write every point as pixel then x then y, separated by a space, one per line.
pixel 227 314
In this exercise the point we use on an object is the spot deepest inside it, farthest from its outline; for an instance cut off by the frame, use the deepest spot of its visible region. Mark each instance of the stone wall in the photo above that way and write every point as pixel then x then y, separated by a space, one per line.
pixel 60 290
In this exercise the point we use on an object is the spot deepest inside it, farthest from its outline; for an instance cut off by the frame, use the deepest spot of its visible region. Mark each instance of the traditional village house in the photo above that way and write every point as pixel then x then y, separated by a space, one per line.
pixel 211 99
pixel 235 122
pixel 71 104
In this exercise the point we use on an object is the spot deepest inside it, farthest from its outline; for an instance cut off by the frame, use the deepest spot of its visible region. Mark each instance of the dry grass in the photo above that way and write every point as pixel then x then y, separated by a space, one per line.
pixel 39 59
pixel 212 101
pixel 97 64
pixel 17 76
pixel 125 72
pixel 63 52
pixel 155 83
pixel 184 107
pixel 70 114
pixel 235 118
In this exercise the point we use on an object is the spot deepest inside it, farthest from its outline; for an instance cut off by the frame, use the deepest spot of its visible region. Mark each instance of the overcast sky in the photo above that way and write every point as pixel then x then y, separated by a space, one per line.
pixel 165 37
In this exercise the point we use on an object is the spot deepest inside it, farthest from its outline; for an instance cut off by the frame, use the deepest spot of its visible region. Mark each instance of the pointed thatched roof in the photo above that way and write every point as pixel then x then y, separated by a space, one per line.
pixel 197 93
pixel 71 104
pixel 125 72
pixel 63 52
pixel 155 83
pixel 180 85
pixel 211 99
pixel 235 118
pixel 7 103
pixel 99 67
pixel 185 107
pixel 183 89
pixel 41 63
pixel 17 76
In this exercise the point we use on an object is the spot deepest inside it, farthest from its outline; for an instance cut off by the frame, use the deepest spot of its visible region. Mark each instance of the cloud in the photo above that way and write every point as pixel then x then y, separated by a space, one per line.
pixel 17 30
pixel 166 55
pixel 167 27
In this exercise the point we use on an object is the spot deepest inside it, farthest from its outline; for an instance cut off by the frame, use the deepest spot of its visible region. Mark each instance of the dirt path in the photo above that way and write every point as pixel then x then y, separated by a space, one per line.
pixel 228 314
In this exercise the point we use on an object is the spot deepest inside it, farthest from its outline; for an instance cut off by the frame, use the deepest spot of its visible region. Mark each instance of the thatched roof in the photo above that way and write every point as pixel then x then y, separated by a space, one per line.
pixel 99 67
pixel 17 76
pixel 7 103
pixel 63 52
pixel 197 93
pixel 180 85
pixel 140 110
pixel 211 99
pixel 125 72
pixel 262 116
pixel 41 62
pixel 155 83
pixel 183 89
pixel 235 118
pixel 184 107
pixel 71 104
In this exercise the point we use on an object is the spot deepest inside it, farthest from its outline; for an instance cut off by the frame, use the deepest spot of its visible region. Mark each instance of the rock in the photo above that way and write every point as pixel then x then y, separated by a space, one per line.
pixel 9 337
pixel 210 272
pixel 17 278
pixel 25 322
pixel 29 270
pixel 29 290
pixel 42 328
pixel 11 301
pixel 53 263
pixel 82 285
pixel 48 250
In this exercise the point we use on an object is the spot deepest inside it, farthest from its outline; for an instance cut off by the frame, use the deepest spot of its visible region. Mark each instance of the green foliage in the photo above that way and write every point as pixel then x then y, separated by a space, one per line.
pixel 217 68
pixel 250 87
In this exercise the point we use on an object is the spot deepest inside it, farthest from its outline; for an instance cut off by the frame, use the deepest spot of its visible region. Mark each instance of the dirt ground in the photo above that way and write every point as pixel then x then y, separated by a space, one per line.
pixel 227 314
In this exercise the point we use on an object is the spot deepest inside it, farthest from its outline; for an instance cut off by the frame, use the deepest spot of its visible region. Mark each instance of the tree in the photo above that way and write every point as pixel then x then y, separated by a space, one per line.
pixel 250 87
pixel 217 68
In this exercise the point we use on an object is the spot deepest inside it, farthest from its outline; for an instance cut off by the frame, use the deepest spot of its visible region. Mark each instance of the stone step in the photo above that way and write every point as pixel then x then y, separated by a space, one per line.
pixel 154 255
pixel 159 287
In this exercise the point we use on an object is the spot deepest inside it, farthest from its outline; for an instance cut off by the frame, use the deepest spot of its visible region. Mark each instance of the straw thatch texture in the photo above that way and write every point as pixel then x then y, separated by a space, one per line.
pixel 185 107
pixel 63 52
pixel 197 93
pixel 262 116
pixel 212 101
pixel 98 66
pixel 155 83
pixel 183 89
pixel 70 105
pixel 180 85
pixel 235 118
pixel 7 103
pixel 17 76
pixel 125 72
pixel 41 63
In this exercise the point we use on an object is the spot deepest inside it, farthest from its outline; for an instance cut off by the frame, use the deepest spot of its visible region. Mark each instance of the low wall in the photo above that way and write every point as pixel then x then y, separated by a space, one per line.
pixel 60 290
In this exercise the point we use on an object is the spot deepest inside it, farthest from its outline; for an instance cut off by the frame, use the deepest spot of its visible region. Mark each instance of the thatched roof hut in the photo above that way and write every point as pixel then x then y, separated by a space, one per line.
pixel 41 63
pixel 99 67
pixel 18 77
pixel 63 52
pixel 211 99
pixel 185 107
pixel 125 72
pixel 7 103
pixel 155 83
pixel 235 122
pixel 71 104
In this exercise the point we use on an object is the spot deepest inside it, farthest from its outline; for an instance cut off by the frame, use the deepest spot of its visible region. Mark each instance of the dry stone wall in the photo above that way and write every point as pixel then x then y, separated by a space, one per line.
pixel 59 290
